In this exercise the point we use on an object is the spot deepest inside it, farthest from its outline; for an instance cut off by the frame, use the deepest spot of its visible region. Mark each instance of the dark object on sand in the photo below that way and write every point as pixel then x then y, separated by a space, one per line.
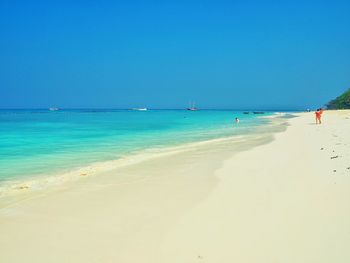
pixel 333 157
pixel 334 171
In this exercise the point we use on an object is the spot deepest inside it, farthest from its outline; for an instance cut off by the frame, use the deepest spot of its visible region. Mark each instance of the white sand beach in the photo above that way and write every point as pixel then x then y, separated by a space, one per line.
pixel 285 200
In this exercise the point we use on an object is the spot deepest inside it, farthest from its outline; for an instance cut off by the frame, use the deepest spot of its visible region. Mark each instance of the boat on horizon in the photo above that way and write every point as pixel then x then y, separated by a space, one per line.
pixel 53 109
pixel 140 109
pixel 258 112
pixel 192 107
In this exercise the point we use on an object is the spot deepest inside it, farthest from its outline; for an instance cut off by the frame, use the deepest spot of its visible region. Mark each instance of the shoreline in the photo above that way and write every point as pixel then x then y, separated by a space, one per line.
pixel 282 200
pixel 34 184
pixel 51 145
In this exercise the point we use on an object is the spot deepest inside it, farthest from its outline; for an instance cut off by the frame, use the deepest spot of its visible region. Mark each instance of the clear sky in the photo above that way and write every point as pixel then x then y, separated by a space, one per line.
pixel 163 54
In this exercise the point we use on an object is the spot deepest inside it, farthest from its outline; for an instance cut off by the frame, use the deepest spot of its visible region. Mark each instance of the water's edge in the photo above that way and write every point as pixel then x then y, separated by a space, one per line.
pixel 237 143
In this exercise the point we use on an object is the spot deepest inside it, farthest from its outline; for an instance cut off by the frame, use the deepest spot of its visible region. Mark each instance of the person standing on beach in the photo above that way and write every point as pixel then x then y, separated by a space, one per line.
pixel 318 114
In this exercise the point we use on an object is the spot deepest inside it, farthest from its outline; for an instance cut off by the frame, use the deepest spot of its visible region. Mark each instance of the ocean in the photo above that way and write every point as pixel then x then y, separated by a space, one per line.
pixel 36 143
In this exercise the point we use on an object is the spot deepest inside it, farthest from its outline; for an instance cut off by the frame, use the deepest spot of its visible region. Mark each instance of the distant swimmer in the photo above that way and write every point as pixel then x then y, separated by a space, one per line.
pixel 237 120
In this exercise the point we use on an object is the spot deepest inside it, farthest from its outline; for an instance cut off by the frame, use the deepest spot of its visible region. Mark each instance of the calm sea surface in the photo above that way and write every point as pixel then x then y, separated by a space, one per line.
pixel 37 142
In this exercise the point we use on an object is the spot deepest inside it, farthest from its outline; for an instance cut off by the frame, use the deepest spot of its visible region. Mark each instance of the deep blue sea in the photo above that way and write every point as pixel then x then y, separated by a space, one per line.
pixel 38 142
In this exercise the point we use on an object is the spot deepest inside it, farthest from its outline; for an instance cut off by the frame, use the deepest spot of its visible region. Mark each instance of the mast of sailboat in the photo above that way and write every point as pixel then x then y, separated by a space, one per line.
pixel 192 106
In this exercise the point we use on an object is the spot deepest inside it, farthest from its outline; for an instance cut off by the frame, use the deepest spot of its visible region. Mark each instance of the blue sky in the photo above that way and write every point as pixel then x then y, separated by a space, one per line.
pixel 163 54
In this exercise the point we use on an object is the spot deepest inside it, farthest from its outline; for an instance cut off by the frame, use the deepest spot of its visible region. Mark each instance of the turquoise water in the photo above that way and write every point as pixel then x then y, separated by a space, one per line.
pixel 38 142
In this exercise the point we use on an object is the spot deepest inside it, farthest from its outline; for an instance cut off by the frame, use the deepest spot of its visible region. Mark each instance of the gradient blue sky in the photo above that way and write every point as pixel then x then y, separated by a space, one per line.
pixel 162 54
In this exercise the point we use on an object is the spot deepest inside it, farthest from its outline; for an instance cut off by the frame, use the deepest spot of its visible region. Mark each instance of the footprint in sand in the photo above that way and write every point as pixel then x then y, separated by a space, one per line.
pixel 23 187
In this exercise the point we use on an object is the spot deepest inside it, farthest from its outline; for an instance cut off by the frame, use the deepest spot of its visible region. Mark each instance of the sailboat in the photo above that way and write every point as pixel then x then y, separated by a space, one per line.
pixel 192 107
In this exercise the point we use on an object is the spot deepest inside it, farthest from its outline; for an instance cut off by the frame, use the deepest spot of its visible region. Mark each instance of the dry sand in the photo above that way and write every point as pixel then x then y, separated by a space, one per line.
pixel 283 201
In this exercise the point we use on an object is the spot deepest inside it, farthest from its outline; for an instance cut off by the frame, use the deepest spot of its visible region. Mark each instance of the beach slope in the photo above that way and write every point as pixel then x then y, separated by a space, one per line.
pixel 283 201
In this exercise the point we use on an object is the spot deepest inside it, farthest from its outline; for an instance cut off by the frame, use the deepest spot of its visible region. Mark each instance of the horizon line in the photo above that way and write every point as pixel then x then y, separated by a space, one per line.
pixel 201 109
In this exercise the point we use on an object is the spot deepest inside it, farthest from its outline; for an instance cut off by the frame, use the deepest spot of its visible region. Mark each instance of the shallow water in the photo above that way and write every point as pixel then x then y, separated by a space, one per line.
pixel 42 142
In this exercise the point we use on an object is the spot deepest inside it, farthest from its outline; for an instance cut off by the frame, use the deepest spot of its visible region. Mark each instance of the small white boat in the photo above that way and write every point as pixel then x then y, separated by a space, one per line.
pixel 140 109
pixel 53 109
